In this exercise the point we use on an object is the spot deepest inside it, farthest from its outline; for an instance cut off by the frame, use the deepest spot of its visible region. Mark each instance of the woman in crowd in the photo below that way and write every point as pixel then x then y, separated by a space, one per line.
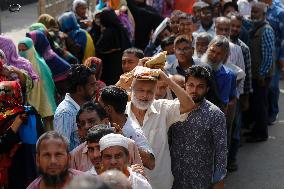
pixel 112 42
pixel 55 37
pixel 59 67
pixel 20 126
pixel 42 96
pixel 13 59
pixel 68 24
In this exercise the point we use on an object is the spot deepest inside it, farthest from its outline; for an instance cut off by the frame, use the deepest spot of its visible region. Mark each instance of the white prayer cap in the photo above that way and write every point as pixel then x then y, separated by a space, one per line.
pixel 113 140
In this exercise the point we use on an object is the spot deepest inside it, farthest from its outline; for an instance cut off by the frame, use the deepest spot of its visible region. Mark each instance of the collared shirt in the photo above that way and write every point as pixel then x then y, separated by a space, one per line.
pixel 275 17
pixel 267 51
pixel 158 118
pixel 65 120
pixel 236 58
pixel 226 83
pixel 199 148
pixel 211 31
pixel 133 131
pixel 81 161
pixel 245 7
pixel 36 183
pixel 92 172
pixel 247 61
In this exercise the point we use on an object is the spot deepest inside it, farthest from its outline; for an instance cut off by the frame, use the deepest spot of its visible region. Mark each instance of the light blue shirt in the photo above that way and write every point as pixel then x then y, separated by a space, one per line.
pixel 65 120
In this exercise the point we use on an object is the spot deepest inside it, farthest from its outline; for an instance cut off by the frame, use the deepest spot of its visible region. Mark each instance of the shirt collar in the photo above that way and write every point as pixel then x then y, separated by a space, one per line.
pixel 69 99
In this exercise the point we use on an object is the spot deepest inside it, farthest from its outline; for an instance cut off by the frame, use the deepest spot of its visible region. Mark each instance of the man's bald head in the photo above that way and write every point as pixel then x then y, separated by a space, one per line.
pixel 223 26
pixel 116 179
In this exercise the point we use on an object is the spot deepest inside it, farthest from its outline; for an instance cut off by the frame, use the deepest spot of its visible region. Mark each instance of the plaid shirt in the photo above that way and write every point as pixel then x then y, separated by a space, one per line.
pixel 247 60
pixel 267 51
pixel 275 17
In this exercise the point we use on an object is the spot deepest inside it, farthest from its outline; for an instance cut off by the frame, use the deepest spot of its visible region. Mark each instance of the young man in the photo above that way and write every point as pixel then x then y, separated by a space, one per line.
pixel 199 151
pixel 89 115
pixel 114 101
pixel 82 88
pixel 115 155
pixel 130 59
pixel 183 51
pixel 52 159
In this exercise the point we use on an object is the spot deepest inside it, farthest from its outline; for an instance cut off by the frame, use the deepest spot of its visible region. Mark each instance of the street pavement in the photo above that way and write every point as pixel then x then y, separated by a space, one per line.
pixel 261 165
pixel 15 25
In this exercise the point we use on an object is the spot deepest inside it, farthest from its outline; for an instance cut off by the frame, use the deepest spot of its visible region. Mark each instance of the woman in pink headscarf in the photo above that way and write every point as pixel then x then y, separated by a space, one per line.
pixel 13 59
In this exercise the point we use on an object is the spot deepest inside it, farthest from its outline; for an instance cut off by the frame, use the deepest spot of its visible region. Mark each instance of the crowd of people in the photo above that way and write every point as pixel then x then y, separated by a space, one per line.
pixel 138 94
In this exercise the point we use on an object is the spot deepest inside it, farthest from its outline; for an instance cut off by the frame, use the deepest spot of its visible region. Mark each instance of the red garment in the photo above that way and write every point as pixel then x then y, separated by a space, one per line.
pixel 184 5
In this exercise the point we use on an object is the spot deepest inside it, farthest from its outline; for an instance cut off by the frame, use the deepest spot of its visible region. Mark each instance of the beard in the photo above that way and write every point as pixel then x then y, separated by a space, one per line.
pixel 140 104
pixel 198 99
pixel 54 180
pixel 214 65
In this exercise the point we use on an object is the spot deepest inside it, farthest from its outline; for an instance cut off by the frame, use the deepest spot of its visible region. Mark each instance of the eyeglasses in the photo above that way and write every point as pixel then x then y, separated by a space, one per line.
pixel 184 50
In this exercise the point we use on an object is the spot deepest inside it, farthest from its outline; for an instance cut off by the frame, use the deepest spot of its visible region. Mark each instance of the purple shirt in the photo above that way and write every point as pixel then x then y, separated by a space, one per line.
pixel 36 183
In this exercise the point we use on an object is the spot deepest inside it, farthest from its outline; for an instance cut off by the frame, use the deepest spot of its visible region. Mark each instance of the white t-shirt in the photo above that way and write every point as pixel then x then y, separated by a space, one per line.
pixel 133 131
pixel 158 118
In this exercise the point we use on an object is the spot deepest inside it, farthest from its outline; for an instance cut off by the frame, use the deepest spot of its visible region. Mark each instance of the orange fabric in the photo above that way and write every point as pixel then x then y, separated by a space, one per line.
pixel 184 5
pixel 114 4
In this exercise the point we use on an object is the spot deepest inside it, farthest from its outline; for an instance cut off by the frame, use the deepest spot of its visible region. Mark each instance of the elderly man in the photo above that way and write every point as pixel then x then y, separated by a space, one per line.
pixel 198 148
pixel 114 100
pixel 52 159
pixel 275 17
pixel 116 179
pixel 155 117
pixel 202 41
pixel 115 155
pixel 93 149
pixel 262 51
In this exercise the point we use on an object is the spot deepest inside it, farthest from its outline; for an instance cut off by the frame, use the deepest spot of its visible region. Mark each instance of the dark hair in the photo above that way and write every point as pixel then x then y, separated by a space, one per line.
pixel 78 76
pixel 137 52
pixel 167 41
pixel 96 132
pixel 92 106
pixel 181 39
pixel 87 182
pixel 198 72
pixel 237 15
pixel 116 97
pixel 51 135
pixel 230 4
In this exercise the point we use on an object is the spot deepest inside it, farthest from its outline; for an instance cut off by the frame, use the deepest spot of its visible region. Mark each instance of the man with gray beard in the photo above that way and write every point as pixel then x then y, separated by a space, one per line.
pixel 155 117
pixel 52 159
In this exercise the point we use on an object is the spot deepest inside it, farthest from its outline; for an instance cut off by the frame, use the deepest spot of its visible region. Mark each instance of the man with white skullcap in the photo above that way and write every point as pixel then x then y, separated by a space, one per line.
pixel 115 155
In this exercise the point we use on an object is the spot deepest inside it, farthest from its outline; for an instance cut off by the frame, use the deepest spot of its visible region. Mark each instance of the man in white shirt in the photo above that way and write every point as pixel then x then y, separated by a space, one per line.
pixel 155 117
pixel 115 155
pixel 114 100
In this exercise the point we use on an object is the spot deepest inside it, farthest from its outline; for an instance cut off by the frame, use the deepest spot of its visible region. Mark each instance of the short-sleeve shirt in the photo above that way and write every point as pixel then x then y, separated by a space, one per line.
pixel 158 118
pixel 36 183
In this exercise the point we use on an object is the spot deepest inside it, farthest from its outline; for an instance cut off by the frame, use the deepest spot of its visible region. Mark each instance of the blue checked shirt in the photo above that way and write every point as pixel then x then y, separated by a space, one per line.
pixel 275 17
pixel 267 51
pixel 247 60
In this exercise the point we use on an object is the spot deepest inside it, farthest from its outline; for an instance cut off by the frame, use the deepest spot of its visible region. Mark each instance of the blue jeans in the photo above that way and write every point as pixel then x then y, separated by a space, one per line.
pixel 274 91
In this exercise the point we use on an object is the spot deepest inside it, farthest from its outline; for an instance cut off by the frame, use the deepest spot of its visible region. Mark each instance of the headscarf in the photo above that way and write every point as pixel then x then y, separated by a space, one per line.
pixel 110 21
pixel 42 95
pixel 11 100
pixel 95 63
pixel 12 57
pixel 49 22
pixel 38 26
pixel 59 67
pixel 68 24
